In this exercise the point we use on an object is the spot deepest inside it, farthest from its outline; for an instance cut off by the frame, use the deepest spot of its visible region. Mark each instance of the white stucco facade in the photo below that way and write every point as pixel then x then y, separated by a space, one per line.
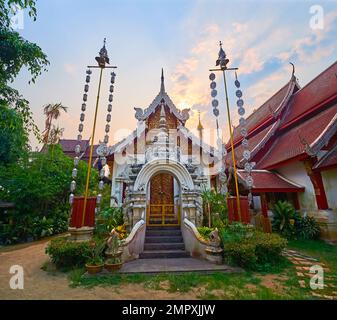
pixel 296 172
pixel 330 185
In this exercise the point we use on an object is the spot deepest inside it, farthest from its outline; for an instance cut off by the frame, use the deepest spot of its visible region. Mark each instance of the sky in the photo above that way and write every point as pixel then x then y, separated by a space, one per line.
pixel 181 36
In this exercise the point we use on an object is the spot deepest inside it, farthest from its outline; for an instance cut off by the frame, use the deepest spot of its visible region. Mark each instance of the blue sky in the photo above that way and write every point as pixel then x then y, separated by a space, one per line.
pixel 260 37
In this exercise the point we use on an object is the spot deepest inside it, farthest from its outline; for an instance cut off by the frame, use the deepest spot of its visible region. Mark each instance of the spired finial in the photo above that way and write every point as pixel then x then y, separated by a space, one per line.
pixel 200 126
pixel 222 60
pixel 293 73
pixel 162 84
pixel 103 57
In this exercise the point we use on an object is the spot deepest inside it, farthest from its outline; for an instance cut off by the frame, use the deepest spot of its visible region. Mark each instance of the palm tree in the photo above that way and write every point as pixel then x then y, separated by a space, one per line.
pixel 52 111
pixel 55 134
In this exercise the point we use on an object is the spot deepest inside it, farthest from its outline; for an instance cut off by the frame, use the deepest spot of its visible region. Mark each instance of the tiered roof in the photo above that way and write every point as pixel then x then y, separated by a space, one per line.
pixel 267 181
pixel 300 122
pixel 162 97
pixel 141 115
pixel 297 141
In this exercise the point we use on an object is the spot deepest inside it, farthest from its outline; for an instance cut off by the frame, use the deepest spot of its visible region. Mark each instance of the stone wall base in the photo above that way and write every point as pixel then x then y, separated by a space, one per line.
pixel 327 220
pixel 81 234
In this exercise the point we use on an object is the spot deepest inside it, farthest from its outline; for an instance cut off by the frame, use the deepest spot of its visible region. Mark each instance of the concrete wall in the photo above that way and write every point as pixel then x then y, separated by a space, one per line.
pixel 330 185
pixel 296 172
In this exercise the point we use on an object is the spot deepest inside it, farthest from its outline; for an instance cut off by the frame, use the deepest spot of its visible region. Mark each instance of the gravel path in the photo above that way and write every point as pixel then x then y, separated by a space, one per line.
pixel 39 284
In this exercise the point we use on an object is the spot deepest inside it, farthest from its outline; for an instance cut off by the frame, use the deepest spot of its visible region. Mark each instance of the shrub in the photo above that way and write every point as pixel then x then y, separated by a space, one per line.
pixel 205 232
pixel 109 219
pixel 241 254
pixel 69 254
pixel 268 247
pixel 251 249
pixel 291 225
pixel 237 231
pixel 284 219
pixel 96 256
pixel 307 228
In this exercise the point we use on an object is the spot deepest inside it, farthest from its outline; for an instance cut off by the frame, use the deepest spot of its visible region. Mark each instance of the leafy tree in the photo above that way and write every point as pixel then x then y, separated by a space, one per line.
pixel 16 53
pixel 215 206
pixel 39 187
pixel 7 7
pixel 14 139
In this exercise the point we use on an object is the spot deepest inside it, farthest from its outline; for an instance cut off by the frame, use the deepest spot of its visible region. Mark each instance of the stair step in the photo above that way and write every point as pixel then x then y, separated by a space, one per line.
pixel 164 246
pixel 160 254
pixel 163 228
pixel 167 233
pixel 163 239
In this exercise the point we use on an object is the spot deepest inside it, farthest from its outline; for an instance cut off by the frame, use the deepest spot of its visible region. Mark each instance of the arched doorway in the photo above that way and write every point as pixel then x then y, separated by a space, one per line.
pixel 163 200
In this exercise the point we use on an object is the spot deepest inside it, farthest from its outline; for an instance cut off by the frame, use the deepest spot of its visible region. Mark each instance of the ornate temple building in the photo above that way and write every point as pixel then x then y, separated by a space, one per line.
pixel 293 139
pixel 157 174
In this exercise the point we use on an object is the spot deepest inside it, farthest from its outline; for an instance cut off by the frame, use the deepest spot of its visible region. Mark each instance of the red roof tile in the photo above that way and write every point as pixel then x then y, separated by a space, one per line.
pixel 253 143
pixel 264 112
pixel 94 154
pixel 292 143
pixel 267 181
pixel 315 92
pixel 68 145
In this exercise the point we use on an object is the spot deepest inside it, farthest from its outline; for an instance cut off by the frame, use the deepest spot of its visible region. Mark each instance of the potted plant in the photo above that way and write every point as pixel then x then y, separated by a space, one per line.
pixel 113 252
pixel 95 262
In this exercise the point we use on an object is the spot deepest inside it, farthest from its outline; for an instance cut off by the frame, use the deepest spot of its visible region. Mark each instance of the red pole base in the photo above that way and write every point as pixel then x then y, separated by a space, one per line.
pixel 233 212
pixel 77 213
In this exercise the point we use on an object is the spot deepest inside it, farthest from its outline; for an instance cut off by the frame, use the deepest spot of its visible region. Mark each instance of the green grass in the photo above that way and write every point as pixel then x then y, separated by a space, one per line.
pixel 325 253
pixel 239 286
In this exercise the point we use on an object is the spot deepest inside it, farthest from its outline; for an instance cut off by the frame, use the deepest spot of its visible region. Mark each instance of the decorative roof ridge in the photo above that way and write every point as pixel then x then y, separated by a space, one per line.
pixel 325 136
pixel 195 139
pixel 182 115
pixel 242 178
pixel 240 171
pixel 126 141
pixel 287 180
pixel 318 76
pixel 325 157
pixel 266 154
pixel 265 139
pixel 291 86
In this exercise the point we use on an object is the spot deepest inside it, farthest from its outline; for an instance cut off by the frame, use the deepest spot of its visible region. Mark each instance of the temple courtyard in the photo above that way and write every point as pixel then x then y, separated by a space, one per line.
pixel 289 280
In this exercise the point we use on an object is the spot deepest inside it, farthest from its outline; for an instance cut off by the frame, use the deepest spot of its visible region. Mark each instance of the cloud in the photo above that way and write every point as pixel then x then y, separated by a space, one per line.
pixel 70 69
pixel 262 50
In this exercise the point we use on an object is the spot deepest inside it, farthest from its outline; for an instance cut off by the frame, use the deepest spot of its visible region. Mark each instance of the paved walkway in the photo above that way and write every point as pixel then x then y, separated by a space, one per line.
pixel 178 265
pixel 302 264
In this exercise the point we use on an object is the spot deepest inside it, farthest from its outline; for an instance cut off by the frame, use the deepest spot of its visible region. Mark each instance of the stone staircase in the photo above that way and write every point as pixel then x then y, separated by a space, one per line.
pixel 163 242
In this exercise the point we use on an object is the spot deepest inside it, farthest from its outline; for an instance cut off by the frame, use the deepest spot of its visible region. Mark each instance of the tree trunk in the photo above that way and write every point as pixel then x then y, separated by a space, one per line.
pixel 209 215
